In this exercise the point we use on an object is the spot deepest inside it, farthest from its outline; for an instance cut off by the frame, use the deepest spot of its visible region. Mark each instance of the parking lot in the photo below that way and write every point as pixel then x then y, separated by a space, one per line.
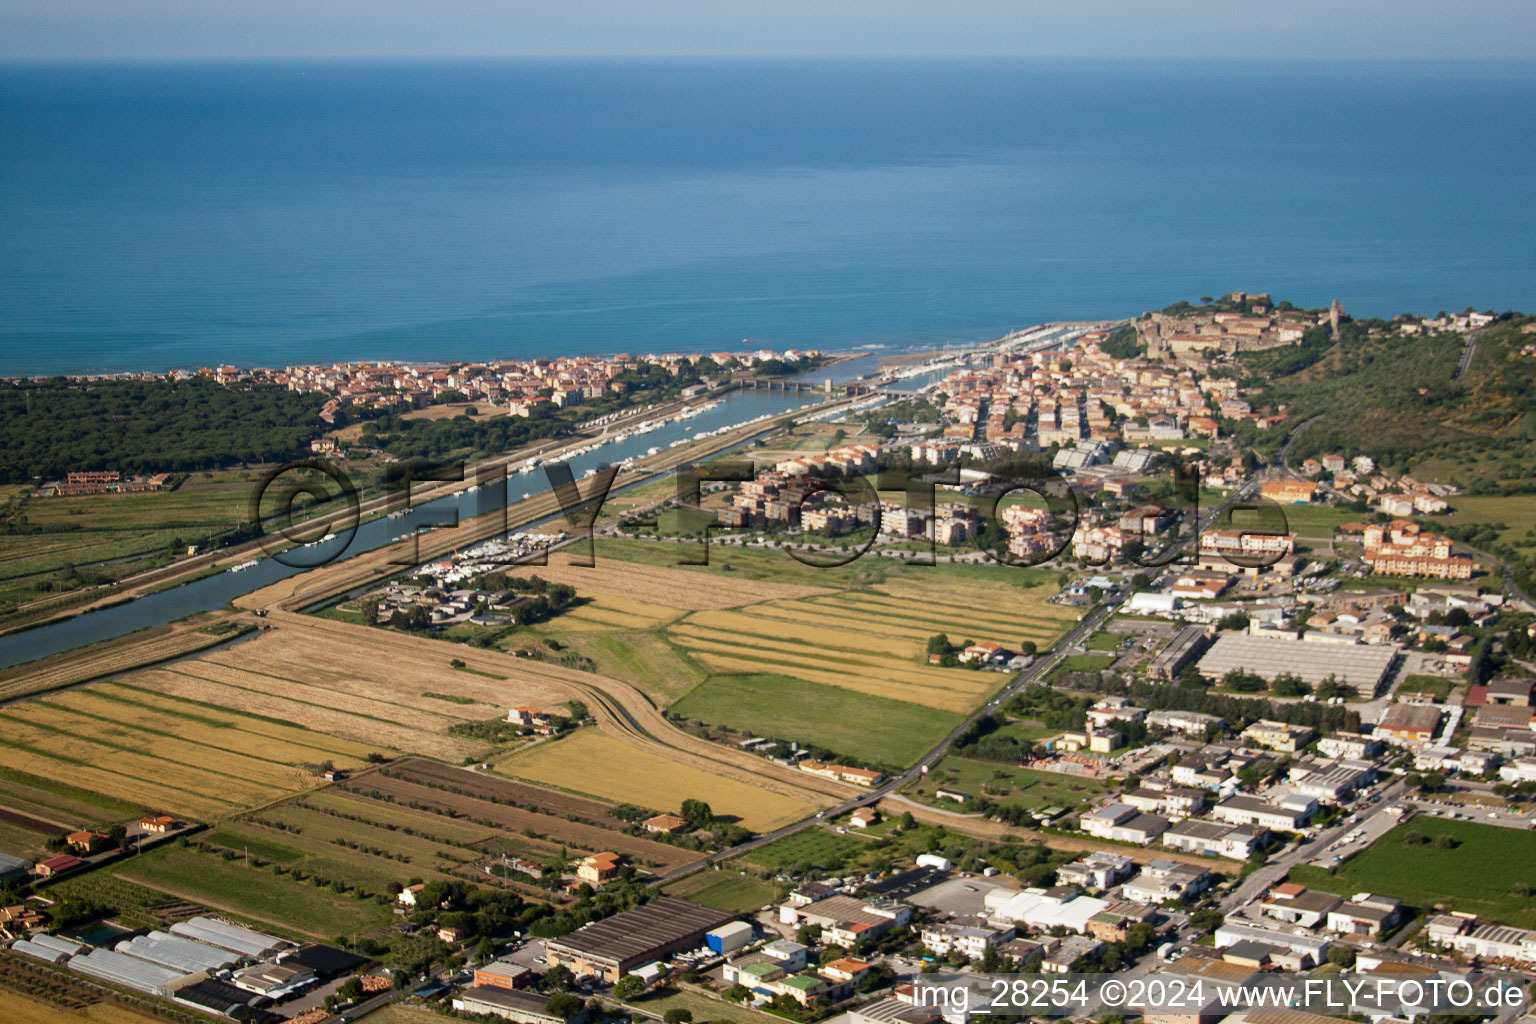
pixel 964 895
pixel 1472 812
pixel 1360 834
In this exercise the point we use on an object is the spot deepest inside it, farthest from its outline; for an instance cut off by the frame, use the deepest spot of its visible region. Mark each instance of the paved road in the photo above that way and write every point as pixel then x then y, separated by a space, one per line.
pixel 1276 868
pixel 1466 354
pixel 1284 455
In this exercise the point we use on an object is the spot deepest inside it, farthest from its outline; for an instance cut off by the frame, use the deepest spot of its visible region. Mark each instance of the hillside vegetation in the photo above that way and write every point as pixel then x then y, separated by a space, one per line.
pixel 1397 398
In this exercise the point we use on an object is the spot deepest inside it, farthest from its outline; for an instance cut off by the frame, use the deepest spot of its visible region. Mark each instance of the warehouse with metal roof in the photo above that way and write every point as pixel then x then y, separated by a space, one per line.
pixel 1362 666
pixel 228 936
pixel 655 931
pixel 187 955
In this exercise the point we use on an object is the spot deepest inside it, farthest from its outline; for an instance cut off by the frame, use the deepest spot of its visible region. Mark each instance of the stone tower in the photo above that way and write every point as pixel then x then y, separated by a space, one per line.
pixel 1333 320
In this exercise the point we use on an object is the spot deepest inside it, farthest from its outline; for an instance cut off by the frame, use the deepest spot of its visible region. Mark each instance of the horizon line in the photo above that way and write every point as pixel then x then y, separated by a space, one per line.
pixel 1165 58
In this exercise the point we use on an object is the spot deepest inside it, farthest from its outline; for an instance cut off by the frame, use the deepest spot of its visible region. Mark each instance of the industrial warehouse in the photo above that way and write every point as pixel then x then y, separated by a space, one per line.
pixel 1363 666
pixel 612 947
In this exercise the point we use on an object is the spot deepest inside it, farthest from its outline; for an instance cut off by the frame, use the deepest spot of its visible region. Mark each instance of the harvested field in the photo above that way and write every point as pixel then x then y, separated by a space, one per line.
pixel 253 699
pixel 588 835
pixel 147 753
pixel 363 685
pixel 269 740
pixel 20 1009
pixel 120 655
pixel 605 767
pixel 608 611
pixel 873 641
pixel 52 800
pixel 652 585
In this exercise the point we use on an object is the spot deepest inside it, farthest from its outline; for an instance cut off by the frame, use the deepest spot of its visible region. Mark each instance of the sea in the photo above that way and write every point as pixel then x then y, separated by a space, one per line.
pixel 155 216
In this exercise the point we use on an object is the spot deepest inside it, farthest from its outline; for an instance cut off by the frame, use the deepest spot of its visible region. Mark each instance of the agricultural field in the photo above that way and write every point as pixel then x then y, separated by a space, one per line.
pixel 1005 784
pixel 725 889
pixel 640 585
pixel 648 661
pixel 607 768
pixel 703 1008
pixel 257 894
pixel 48 992
pixel 819 846
pixel 836 658
pixel 355 848
pixel 611 612
pixel 1479 874
pixel 145 530
pixel 1517 513
pixel 403 1013
pixel 477 812
pixel 361 694
pixel 873 640
pixel 35 809
pixel 143 749
pixel 116 655
pixel 875 730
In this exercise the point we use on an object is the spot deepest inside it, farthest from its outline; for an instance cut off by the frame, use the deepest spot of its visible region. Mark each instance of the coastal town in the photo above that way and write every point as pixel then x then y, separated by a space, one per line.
pixel 1164 703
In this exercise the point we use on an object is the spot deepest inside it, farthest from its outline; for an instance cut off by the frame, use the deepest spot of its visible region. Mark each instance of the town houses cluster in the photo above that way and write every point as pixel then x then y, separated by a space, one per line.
pixel 519 386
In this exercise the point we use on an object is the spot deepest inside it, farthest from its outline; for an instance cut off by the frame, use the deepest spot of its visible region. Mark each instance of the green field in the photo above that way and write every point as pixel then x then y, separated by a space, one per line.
pixel 725 889
pixel 1437 685
pixel 1316 520
pixel 780 567
pixel 704 1008
pixel 1517 513
pixel 876 730
pixel 1081 663
pixel 648 660
pixel 254 893
pixel 1478 876
pixel 817 846
pixel 1004 784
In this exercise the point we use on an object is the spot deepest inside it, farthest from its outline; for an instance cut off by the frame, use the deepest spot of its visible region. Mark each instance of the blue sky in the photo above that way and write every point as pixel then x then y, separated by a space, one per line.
pixel 157 29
